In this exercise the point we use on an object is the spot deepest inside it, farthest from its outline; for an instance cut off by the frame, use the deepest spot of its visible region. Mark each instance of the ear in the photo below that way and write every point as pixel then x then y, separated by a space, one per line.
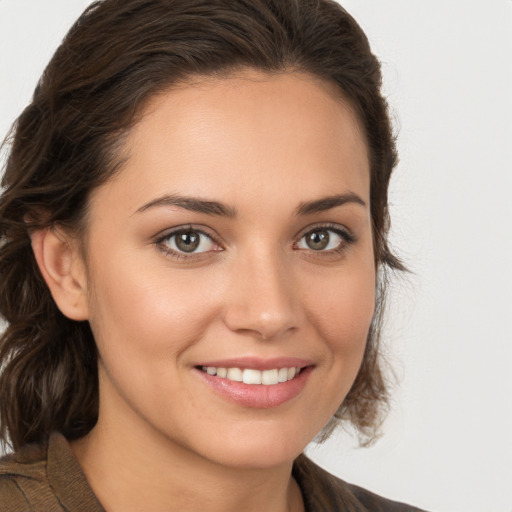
pixel 61 264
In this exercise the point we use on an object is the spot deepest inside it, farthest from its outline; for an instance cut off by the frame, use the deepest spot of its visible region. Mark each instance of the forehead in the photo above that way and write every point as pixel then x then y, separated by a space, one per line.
pixel 228 136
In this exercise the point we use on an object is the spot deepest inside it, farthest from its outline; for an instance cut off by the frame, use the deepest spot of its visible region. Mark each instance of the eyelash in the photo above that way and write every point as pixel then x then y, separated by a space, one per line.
pixel 347 237
pixel 161 243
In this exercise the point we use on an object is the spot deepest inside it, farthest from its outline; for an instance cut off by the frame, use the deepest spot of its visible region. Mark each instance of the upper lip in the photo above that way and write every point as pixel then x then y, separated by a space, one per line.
pixel 256 363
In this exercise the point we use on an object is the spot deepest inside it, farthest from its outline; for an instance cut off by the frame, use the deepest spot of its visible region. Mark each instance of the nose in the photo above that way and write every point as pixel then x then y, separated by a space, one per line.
pixel 261 299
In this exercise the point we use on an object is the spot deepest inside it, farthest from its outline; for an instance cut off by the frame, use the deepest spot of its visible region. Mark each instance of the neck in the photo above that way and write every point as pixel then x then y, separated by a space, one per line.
pixel 130 470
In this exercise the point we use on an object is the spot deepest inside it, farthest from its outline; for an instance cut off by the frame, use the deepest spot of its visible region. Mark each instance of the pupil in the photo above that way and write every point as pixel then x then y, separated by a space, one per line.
pixel 318 239
pixel 187 241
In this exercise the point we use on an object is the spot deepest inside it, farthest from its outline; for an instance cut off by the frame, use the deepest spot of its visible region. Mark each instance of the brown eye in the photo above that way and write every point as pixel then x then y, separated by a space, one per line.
pixel 324 239
pixel 188 241
pixel 317 240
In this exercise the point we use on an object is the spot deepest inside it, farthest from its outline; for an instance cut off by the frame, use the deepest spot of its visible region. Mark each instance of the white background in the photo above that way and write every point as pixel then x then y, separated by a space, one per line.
pixel 448 75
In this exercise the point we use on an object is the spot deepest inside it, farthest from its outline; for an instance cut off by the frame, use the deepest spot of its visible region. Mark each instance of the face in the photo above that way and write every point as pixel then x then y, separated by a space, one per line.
pixel 234 244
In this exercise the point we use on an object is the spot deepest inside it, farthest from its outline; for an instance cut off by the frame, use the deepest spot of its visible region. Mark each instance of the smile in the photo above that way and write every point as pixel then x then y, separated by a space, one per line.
pixel 256 383
pixel 251 376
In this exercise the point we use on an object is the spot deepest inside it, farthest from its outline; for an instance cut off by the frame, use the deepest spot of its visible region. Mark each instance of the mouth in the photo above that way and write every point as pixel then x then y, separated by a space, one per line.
pixel 256 383
pixel 252 376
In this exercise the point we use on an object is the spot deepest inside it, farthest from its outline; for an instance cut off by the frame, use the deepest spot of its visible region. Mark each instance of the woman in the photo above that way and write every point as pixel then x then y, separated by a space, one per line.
pixel 193 260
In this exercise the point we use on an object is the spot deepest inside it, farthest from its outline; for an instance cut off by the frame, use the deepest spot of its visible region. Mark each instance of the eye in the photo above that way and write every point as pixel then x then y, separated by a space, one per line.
pixel 324 239
pixel 188 241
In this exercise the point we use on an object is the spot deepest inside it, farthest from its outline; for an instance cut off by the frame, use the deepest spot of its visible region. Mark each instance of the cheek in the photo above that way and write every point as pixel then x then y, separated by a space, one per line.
pixel 341 309
pixel 148 311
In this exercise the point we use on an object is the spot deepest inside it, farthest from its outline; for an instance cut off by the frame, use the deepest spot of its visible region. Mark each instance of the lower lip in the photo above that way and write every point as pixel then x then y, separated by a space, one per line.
pixel 258 396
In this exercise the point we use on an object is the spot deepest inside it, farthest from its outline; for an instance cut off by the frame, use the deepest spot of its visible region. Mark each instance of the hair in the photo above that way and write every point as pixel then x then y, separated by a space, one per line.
pixel 116 57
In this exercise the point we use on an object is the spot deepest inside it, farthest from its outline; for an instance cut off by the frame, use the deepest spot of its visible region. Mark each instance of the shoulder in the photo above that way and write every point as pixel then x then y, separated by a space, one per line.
pixel 377 503
pixel 24 483
pixel 25 468
pixel 325 492
pixel 45 477
pixel 12 498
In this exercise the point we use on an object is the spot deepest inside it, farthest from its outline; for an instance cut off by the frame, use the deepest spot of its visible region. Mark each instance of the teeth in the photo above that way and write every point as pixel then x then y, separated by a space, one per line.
pixel 283 375
pixel 250 376
pixel 235 374
pixel 269 377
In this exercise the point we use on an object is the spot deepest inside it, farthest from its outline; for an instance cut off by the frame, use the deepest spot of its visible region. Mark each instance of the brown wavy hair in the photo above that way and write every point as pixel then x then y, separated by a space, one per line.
pixel 118 55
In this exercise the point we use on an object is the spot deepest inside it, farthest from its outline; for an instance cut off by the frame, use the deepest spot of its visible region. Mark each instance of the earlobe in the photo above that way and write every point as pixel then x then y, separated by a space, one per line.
pixel 62 267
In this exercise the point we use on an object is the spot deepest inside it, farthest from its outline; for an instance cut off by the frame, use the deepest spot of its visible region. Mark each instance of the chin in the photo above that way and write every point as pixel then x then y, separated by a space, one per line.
pixel 258 458
pixel 259 448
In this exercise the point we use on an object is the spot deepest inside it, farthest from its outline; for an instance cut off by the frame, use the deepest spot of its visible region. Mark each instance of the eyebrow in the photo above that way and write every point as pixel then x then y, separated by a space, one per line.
pixel 326 203
pixel 195 204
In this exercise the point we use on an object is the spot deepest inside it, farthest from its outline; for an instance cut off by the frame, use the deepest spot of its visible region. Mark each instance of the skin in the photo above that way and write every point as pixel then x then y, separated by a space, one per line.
pixel 262 145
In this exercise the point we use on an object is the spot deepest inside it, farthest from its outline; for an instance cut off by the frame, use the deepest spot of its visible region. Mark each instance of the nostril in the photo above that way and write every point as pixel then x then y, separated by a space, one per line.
pixel 260 302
